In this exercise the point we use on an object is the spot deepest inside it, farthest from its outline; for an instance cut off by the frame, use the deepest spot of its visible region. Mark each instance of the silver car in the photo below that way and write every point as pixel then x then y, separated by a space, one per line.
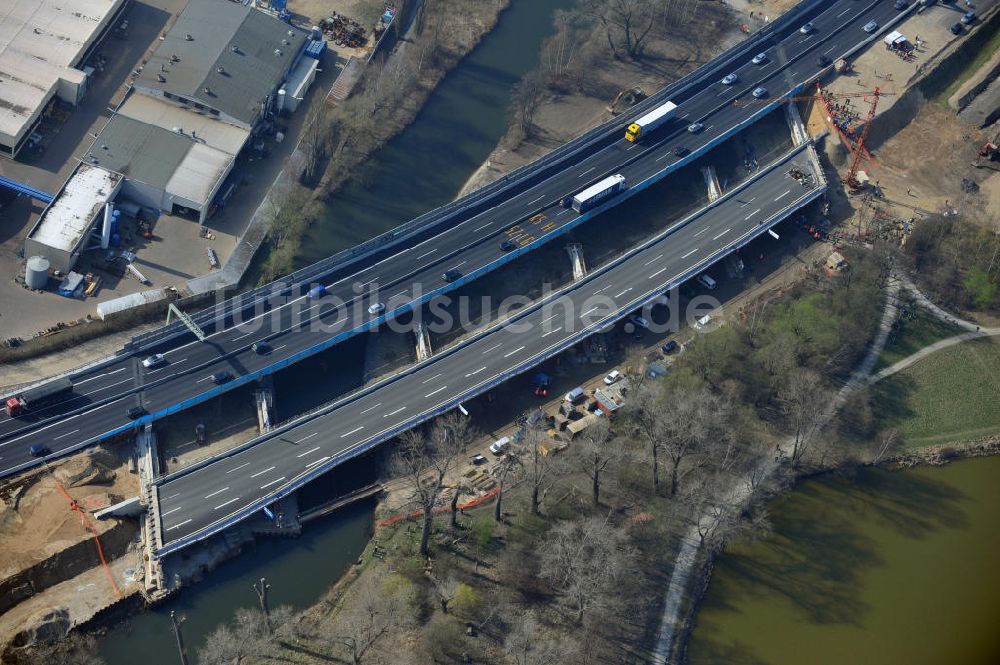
pixel 376 308
pixel 154 360
pixel 695 127
pixel 760 93
pixel 730 79
pixel 759 59
pixel 870 27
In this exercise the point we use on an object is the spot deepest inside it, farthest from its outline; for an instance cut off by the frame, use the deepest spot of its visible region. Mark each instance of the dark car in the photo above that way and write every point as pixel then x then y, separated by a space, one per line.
pixel 38 450
pixel 508 245
pixel 900 4
pixel 261 348
pixel 135 412
pixel 451 275
pixel 956 29
pixel 823 61
pixel 969 18
pixel 222 377
pixel 680 151
pixel 669 347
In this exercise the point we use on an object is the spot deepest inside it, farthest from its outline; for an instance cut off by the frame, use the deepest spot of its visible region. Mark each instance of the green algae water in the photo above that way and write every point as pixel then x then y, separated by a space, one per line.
pixel 879 568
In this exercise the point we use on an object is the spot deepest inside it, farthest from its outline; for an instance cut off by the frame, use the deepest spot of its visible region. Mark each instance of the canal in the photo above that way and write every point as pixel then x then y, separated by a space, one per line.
pixel 877 568
pixel 423 167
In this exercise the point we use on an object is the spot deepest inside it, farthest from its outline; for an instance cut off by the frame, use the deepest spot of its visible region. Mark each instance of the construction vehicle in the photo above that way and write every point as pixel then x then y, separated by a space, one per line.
pixel 37 396
pixel 625 100
pixel 650 121
pixel 989 152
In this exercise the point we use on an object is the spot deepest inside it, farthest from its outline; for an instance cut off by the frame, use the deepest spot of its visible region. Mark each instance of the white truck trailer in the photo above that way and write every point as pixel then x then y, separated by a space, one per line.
pixel 650 121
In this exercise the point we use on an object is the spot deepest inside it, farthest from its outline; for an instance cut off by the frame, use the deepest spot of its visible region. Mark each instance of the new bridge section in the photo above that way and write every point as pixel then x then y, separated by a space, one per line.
pixel 413 276
pixel 202 500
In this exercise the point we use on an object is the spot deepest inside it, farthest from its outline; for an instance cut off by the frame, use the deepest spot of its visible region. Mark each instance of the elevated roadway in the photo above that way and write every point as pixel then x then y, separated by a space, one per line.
pixel 202 500
pixel 411 276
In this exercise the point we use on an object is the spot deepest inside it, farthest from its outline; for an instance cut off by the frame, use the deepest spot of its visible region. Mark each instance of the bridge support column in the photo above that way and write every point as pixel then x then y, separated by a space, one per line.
pixel 264 399
pixel 799 134
pixel 575 250
pixel 149 468
pixel 424 350
pixel 712 180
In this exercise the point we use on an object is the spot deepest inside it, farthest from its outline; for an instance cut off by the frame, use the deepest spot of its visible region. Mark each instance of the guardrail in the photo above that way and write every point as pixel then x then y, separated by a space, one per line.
pixel 515 178
pixel 639 301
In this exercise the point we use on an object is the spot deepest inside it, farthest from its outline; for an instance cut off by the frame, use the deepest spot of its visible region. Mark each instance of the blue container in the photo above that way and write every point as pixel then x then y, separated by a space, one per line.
pixel 114 227
pixel 316 48
pixel 116 240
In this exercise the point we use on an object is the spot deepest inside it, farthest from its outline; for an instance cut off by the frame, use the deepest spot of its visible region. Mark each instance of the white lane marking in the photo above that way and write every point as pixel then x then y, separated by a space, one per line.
pixel 203 379
pixel 372 407
pixel 223 505
pixel 279 348
pixel 209 496
pixel 261 473
pixel 552 331
pixel 106 387
pixel 400 409
pixel 544 321
pixel 722 234
pixel 458 265
pixel 658 272
pixel 707 228
pixel 846 11
pixel 623 292
pixel 709 127
pixel 436 376
pixel 492 348
pixel 394 295
pixel 829 49
pixel 63 436
pixel 426 254
pixel 172 363
pixel 563 212
pixel 236 339
pixel 690 253
pixel 435 392
pixel 588 311
pixel 172 510
pixel 653 260
pixel 536 200
pixel 634 145
pixel 663 156
pixel 273 482
pixel 172 496
pixel 177 526
pixel 353 431
pixel 587 171
pixel 480 228
pixel 241 466
pixel 752 214
pixel 783 195
pixel 308 452
pixel 475 372
pixel 602 290
pixel 99 376
pixel 319 461
pixel 306 438
pixel 508 355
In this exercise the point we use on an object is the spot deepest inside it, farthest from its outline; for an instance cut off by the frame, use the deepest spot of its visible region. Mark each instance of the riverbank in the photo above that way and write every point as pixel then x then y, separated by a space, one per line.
pixel 391 91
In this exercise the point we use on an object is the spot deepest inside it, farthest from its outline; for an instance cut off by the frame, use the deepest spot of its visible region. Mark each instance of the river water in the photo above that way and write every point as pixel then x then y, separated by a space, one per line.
pixel 878 568
pixel 423 167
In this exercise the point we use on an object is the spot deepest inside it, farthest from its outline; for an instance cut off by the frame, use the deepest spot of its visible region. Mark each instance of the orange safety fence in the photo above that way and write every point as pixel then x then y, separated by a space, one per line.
pixel 73 505
pixel 443 509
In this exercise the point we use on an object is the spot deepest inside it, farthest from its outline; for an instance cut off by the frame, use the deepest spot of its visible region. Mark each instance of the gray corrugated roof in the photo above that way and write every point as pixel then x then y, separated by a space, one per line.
pixel 249 73
pixel 139 151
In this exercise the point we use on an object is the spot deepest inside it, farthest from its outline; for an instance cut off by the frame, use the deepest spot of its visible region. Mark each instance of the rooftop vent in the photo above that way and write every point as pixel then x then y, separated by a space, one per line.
pixel 277 52
pixel 104 147
pixel 208 91
pixel 285 42
pixel 179 130
pixel 188 38
pixel 161 78
pixel 221 70
pixel 174 58
pixel 291 33
pixel 234 48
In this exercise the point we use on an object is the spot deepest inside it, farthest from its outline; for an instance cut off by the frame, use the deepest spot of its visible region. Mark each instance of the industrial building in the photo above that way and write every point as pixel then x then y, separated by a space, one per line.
pixel 43 44
pixel 63 231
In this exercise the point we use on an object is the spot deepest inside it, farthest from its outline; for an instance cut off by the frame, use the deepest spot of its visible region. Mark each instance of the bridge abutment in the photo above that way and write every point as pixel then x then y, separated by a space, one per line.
pixel 575 251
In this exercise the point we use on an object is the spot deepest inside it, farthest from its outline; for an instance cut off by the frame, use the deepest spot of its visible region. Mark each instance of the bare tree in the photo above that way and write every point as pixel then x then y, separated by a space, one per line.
pixel 445 590
pixel 527 644
pixel 597 450
pixel 423 461
pixel 625 21
pixel 888 442
pixel 457 491
pixel 505 471
pixel 247 636
pixel 695 431
pixel 646 418
pixel 379 607
pixel 541 471
pixel 585 561
pixel 74 649
pixel 802 402
pixel 525 101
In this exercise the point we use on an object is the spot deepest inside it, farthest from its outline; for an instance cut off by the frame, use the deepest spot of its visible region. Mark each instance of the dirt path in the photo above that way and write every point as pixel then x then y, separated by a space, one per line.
pixel 740 493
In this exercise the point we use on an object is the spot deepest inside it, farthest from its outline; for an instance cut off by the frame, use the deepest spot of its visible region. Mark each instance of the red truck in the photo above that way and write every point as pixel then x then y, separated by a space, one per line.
pixel 33 397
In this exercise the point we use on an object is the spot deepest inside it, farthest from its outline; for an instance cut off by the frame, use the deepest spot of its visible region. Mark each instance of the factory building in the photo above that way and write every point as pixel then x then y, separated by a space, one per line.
pixel 43 45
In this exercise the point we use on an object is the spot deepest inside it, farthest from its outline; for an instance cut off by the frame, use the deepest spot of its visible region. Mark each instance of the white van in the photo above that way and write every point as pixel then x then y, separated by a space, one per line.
pixel 574 395
pixel 500 445
pixel 706 280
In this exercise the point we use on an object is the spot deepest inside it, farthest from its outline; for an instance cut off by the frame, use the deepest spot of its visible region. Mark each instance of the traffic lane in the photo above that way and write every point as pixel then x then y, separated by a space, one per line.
pixel 253 473
pixel 787 74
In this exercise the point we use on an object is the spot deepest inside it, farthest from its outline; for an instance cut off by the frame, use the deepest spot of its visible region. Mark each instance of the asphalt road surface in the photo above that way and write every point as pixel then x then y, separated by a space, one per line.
pixel 211 495
pixel 98 406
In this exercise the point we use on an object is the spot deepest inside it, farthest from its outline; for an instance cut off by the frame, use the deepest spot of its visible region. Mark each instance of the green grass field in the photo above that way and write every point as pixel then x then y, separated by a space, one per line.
pixel 914 334
pixel 952 395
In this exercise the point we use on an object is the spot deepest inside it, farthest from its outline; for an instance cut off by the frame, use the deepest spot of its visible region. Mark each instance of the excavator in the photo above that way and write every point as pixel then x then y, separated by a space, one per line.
pixel 989 152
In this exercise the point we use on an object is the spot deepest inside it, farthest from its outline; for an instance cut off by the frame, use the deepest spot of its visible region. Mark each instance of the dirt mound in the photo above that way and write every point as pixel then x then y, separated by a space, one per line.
pixel 92 469
pixel 47 625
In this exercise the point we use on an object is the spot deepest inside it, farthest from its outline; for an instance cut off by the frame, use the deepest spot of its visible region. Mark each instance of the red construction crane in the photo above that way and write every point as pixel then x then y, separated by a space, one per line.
pixel 851 179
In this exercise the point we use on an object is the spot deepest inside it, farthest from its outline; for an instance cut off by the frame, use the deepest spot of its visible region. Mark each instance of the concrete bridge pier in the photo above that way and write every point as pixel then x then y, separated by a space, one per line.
pixel 149 468
pixel 712 180
pixel 264 399
pixel 575 250
pixel 424 349
pixel 798 129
